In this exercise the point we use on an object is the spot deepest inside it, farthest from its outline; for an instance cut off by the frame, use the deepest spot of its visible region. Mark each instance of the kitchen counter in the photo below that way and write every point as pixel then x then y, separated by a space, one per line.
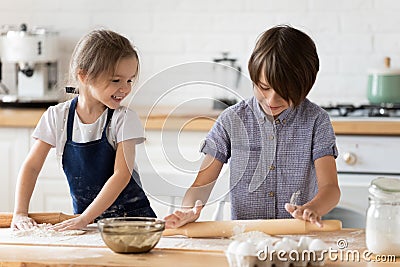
pixel 169 252
pixel 163 119
pixel 74 256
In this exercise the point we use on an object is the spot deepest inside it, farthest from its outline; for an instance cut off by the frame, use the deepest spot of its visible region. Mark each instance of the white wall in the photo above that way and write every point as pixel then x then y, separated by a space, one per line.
pixel 351 35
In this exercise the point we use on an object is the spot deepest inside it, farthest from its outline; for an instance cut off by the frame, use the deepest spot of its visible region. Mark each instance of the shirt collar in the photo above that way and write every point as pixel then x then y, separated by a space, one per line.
pixel 257 110
pixel 262 117
pixel 286 115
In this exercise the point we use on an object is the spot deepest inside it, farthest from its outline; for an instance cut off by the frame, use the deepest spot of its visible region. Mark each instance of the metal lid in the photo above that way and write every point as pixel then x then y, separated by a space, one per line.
pixel 386 188
pixel 385 71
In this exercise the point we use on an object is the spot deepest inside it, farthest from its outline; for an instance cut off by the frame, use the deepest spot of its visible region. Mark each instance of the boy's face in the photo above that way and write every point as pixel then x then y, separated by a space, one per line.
pixel 272 103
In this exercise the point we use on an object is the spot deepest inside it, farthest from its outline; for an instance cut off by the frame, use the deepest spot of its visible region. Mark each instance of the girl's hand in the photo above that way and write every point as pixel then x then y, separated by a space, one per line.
pixel 304 213
pixel 71 224
pixel 184 216
pixel 22 222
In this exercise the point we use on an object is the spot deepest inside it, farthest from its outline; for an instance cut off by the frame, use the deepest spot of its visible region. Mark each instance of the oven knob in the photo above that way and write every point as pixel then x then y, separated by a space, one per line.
pixel 350 158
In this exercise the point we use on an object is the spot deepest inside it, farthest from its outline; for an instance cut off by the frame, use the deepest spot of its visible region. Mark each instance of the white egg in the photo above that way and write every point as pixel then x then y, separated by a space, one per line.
pixel 280 245
pixel 264 245
pixel 317 245
pixel 290 242
pixel 233 246
pixel 246 249
pixel 304 243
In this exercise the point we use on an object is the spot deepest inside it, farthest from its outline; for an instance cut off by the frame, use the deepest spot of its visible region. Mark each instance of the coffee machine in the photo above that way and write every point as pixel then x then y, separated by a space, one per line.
pixel 34 56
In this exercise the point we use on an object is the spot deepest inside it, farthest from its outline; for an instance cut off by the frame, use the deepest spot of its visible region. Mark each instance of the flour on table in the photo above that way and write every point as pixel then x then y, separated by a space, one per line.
pixel 254 236
pixel 42 230
pixel 239 229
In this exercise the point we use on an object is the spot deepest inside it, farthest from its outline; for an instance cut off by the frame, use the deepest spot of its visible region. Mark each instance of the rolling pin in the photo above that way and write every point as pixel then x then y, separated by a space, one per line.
pixel 271 227
pixel 44 217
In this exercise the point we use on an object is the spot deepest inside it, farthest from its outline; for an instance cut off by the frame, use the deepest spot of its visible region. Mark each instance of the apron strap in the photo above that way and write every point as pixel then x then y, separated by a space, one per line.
pixel 71 115
pixel 109 115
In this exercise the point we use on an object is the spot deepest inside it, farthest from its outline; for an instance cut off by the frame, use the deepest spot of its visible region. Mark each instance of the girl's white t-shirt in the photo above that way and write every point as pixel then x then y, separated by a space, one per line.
pixel 52 127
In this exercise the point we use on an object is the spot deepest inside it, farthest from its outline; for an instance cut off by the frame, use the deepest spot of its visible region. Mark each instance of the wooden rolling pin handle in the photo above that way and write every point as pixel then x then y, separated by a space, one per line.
pixel 328 225
pixel 271 227
pixel 44 217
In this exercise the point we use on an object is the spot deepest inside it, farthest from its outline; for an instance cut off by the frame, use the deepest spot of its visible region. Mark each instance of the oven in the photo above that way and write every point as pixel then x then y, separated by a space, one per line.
pixel 362 158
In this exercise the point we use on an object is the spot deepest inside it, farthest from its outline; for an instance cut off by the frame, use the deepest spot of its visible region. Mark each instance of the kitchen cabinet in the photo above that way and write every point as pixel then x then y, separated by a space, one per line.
pixel 14 144
pixel 51 191
pixel 362 158
pixel 168 162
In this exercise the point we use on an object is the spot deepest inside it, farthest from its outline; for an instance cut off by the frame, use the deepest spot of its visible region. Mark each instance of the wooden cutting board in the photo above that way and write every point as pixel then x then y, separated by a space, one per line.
pixel 271 227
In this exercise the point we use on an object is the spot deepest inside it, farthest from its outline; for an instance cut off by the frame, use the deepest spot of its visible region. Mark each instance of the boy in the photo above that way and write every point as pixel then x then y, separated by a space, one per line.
pixel 278 142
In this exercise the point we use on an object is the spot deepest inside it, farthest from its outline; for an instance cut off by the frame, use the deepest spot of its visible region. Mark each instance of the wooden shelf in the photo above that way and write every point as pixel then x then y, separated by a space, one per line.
pixel 203 122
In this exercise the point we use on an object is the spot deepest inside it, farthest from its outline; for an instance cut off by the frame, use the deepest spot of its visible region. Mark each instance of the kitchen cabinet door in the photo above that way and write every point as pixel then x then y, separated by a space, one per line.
pixel 168 163
pixel 51 191
pixel 14 144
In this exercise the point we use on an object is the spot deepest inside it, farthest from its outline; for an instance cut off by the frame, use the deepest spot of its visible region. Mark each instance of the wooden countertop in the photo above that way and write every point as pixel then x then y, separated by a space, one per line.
pixel 13 256
pixel 77 254
pixel 10 117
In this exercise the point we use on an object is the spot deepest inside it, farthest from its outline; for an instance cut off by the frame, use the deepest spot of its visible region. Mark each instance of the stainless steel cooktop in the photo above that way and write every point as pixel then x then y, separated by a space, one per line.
pixel 349 110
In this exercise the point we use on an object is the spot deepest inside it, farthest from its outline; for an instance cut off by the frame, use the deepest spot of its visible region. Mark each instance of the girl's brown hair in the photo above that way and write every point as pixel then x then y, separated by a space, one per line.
pixel 289 61
pixel 98 53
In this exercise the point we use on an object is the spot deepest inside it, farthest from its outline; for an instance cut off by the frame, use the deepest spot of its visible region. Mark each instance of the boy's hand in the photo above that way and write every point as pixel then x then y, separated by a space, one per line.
pixel 22 222
pixel 184 216
pixel 304 213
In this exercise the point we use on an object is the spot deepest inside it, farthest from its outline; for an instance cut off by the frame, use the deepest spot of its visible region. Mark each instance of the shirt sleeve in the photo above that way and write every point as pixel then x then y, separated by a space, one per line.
pixel 45 129
pixel 324 138
pixel 217 142
pixel 128 126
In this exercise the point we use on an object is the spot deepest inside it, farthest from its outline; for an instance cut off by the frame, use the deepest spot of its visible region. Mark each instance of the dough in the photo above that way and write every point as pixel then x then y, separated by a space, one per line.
pixel 41 230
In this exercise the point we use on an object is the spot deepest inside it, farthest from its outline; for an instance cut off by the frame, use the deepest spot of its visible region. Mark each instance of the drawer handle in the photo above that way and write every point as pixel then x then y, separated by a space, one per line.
pixel 349 158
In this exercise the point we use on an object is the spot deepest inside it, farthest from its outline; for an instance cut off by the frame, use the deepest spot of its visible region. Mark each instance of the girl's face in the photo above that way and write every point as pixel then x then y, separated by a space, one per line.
pixel 272 103
pixel 111 90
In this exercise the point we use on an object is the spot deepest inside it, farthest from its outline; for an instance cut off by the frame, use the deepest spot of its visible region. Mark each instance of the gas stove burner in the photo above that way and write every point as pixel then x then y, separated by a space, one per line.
pixel 349 110
pixel 340 110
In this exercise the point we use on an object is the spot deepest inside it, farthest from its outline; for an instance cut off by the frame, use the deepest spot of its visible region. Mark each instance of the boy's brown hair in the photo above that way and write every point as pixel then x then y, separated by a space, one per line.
pixel 288 57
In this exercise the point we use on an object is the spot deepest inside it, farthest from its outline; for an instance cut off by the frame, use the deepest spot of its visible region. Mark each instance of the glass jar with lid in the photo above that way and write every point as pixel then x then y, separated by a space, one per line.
pixel 383 217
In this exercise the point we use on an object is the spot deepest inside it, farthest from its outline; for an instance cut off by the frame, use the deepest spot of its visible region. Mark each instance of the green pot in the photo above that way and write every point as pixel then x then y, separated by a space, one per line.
pixel 384 86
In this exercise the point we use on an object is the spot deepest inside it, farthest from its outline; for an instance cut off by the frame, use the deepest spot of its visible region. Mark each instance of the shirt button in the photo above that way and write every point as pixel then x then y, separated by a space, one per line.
pixel 277 121
pixel 271 194
pixel 284 121
pixel 271 137
pixel 272 167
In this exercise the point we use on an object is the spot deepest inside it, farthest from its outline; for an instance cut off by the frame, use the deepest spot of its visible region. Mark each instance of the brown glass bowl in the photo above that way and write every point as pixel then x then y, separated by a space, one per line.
pixel 131 234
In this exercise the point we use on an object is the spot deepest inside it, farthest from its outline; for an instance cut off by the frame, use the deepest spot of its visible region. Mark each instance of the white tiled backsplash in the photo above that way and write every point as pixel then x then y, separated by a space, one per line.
pixel 351 35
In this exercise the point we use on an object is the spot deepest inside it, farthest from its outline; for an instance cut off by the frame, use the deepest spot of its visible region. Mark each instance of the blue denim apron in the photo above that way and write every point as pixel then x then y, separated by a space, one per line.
pixel 88 166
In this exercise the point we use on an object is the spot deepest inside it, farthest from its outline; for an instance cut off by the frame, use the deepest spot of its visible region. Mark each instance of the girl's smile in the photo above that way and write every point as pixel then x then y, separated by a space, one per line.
pixel 118 98
pixel 111 91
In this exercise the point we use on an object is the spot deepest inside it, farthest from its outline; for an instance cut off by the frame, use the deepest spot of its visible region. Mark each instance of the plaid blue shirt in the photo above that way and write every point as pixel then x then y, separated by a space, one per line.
pixel 270 159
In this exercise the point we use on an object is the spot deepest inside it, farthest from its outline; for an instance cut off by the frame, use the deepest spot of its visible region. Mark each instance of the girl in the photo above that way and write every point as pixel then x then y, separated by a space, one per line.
pixel 94 136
